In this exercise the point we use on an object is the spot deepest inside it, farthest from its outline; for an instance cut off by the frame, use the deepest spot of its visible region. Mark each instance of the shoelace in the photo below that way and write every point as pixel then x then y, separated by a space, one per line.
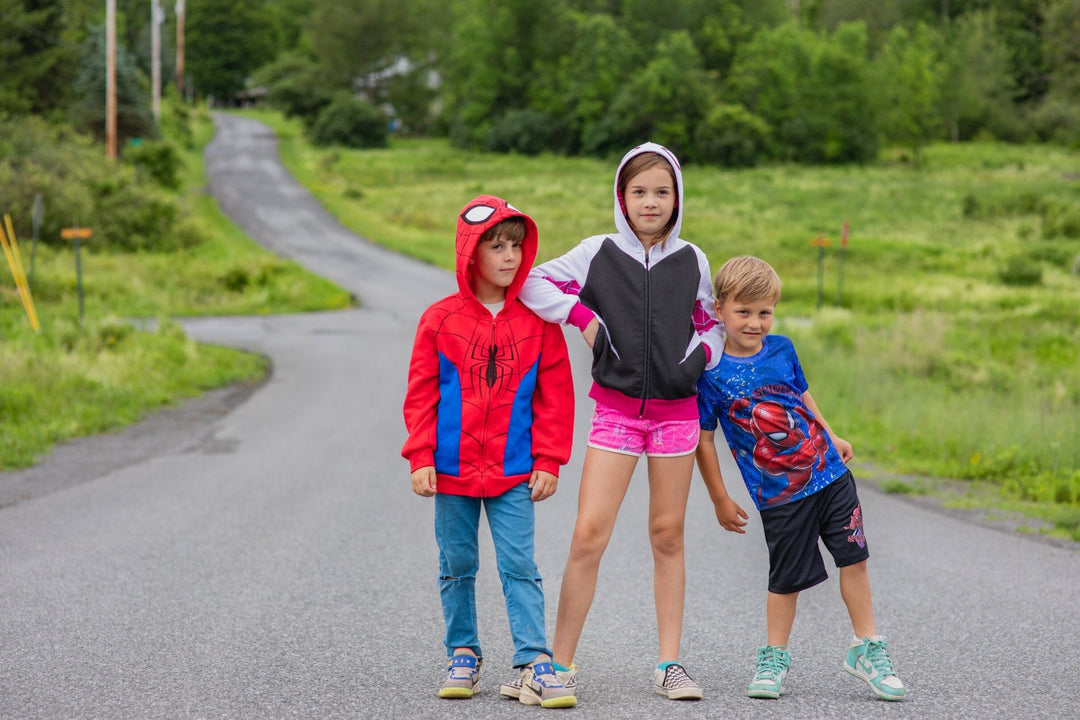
pixel 878 655
pixel 463 669
pixel 770 662
pixel 545 675
pixel 676 678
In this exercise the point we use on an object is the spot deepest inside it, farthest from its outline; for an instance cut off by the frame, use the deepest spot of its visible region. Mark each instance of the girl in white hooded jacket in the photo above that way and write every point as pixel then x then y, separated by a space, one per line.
pixel 643 299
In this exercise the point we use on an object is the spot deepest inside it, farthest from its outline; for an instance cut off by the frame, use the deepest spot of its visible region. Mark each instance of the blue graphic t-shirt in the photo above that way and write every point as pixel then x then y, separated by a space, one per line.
pixel 783 453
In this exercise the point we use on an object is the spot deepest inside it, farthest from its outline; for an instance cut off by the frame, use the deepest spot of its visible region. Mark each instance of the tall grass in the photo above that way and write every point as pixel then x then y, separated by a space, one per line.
pixel 942 358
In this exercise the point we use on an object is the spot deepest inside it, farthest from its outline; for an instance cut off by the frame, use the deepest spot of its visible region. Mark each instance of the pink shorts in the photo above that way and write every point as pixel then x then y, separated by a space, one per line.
pixel 617 432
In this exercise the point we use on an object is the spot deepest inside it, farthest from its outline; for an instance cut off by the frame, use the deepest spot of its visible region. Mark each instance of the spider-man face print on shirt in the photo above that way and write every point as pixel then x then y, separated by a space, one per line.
pixel 783 453
pixel 788 444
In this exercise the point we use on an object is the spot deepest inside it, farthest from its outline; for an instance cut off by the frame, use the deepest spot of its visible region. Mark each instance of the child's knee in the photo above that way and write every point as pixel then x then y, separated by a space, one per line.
pixel 666 537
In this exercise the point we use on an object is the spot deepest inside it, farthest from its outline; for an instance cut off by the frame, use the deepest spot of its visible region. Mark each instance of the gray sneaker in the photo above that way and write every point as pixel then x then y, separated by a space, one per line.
pixel 462 676
pixel 674 684
pixel 543 686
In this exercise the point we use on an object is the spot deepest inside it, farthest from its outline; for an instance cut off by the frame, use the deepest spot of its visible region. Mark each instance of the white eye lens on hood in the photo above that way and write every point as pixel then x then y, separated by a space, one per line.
pixel 478 214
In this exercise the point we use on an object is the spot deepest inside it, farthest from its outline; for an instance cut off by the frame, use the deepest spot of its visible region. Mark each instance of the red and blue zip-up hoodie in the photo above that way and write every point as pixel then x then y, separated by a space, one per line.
pixel 490 397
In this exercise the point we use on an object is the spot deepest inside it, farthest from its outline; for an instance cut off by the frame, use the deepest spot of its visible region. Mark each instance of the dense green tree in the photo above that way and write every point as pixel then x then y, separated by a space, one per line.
pixel 812 90
pixel 662 102
pixel 38 62
pixel 583 81
pixel 490 60
pixel 225 41
pixel 978 88
pixel 133 116
pixel 355 38
pixel 908 75
pixel 297 85
pixel 1058 116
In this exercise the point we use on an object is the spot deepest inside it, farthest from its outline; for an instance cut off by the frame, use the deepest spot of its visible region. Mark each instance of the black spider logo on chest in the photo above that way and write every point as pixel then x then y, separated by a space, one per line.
pixel 491 364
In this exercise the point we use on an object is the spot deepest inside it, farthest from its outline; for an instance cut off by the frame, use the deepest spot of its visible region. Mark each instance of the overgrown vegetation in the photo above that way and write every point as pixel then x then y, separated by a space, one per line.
pixel 80 377
pixel 935 361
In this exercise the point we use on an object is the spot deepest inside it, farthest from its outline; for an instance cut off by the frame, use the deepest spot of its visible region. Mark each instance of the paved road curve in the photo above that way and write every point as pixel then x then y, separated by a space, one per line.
pixel 272 562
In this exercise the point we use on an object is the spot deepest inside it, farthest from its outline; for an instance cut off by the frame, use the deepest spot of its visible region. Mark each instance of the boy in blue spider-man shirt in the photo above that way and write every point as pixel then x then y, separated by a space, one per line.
pixel 793 466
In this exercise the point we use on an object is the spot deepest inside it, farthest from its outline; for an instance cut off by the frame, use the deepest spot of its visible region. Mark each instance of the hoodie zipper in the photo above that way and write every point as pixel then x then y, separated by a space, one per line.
pixel 648 339
pixel 490 376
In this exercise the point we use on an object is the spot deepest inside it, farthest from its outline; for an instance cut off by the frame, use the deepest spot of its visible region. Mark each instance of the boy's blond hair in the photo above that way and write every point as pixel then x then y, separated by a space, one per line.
pixel 746 279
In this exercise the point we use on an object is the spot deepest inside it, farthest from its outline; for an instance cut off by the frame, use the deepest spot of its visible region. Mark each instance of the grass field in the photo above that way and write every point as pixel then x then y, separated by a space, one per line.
pixel 954 351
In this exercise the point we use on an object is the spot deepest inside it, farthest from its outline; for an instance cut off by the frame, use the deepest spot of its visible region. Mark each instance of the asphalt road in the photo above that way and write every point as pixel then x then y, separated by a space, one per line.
pixel 259 554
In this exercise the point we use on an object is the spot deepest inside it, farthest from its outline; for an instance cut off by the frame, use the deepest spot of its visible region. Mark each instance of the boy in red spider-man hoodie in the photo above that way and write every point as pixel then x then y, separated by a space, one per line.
pixel 489 412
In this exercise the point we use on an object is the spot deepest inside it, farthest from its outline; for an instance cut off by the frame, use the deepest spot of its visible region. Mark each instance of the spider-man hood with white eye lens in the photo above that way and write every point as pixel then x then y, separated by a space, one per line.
pixel 482 213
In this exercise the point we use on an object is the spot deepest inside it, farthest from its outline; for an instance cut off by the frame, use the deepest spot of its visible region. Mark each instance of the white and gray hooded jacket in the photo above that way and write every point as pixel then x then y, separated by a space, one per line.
pixel 656 309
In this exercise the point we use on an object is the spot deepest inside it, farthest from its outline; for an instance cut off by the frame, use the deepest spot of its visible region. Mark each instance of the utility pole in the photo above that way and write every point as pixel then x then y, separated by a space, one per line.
pixel 157 16
pixel 180 48
pixel 110 79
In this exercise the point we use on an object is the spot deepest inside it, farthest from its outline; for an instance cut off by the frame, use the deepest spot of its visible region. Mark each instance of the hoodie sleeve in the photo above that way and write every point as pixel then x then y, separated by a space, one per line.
pixel 422 399
pixel 551 289
pixel 708 327
pixel 553 404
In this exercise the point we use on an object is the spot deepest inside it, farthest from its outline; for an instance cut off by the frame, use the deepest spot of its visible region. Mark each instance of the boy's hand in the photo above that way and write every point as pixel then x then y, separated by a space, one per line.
pixel 589 333
pixel 732 517
pixel 543 485
pixel 423 481
pixel 844 448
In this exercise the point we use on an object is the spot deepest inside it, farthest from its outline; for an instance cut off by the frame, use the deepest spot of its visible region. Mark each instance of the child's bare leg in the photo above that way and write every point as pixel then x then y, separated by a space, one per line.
pixel 780 616
pixel 669 487
pixel 855 590
pixel 604 480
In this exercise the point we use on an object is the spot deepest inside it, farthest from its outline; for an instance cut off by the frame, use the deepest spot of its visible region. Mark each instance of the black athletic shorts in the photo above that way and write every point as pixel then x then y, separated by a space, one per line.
pixel 792 531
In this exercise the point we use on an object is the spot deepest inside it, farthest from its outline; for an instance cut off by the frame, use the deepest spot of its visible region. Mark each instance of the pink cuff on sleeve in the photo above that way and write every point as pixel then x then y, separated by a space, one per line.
pixel 580 317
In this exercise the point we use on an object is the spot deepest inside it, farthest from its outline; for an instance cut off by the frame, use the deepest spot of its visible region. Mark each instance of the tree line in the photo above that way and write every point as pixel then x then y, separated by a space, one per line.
pixel 728 82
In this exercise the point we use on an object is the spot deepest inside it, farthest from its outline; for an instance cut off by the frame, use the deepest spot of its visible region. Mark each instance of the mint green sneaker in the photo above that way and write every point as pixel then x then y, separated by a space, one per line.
pixel 772 667
pixel 868 658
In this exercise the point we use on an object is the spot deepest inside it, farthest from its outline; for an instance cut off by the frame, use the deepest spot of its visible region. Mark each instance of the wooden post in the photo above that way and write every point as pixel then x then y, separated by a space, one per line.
pixel 155 59
pixel 843 251
pixel 180 49
pixel 110 79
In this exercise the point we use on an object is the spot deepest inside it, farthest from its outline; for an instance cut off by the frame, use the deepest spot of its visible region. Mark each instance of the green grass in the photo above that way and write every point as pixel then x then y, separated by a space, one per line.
pixel 934 363
pixel 76 378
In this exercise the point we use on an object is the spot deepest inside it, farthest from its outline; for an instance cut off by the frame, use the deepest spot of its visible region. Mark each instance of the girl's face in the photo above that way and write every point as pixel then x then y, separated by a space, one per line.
pixel 650 200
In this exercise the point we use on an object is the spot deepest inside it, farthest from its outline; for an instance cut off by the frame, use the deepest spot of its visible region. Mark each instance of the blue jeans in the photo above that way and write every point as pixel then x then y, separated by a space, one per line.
pixel 511 519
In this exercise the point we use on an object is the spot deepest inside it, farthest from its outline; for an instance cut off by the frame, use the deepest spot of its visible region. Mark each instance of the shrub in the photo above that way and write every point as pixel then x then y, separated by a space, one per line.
pixel 295 85
pixel 731 136
pixel 1060 220
pixel 1021 270
pixel 158 161
pixel 350 122
pixel 529 132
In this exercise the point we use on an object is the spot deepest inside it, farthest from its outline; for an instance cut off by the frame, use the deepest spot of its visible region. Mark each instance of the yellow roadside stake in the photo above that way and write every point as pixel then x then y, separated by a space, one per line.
pixel 11 252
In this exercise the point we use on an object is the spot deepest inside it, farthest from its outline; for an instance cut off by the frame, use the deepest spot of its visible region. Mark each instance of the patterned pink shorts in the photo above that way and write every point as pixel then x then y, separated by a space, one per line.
pixel 617 432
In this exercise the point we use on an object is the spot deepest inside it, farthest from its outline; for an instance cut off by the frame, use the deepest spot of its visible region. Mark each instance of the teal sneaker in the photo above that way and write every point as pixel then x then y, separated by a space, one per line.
pixel 868 659
pixel 462 676
pixel 772 667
